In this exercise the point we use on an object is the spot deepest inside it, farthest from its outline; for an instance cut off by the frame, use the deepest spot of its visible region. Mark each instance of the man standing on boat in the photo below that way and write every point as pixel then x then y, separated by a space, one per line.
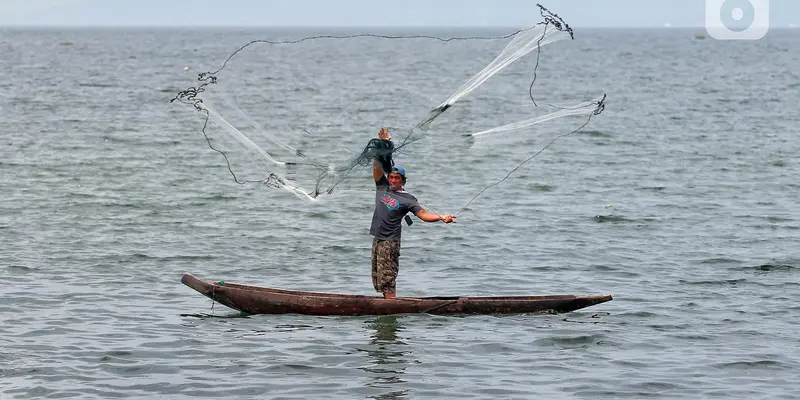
pixel 392 203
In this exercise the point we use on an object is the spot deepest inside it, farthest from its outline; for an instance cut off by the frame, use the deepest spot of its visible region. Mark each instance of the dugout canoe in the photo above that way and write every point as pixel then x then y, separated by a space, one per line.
pixel 262 300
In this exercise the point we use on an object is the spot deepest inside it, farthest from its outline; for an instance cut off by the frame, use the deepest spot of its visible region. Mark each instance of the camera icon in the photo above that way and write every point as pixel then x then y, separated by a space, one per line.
pixel 737 19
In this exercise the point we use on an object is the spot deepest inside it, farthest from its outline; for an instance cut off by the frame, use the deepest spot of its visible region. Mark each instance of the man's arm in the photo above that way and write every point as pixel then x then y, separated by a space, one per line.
pixel 431 217
pixel 377 170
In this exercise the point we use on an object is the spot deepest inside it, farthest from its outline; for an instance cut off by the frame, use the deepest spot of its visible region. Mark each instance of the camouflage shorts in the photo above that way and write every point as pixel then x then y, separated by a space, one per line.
pixel 385 263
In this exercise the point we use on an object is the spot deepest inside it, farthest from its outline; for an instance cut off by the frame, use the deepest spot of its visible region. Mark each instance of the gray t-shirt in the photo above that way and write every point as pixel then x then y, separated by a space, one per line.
pixel 390 208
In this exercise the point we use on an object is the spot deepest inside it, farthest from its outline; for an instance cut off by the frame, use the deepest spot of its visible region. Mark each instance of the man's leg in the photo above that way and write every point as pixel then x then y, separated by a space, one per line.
pixel 388 263
pixel 376 282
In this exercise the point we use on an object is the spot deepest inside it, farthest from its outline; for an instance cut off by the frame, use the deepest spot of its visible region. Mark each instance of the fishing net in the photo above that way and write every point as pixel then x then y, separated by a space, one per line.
pixel 302 114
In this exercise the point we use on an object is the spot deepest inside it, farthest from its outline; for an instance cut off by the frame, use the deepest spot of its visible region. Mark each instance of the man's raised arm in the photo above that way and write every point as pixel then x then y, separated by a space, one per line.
pixel 377 170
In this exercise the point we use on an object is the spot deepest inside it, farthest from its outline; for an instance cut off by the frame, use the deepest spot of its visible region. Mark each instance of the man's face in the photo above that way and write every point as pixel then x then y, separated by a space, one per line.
pixel 395 181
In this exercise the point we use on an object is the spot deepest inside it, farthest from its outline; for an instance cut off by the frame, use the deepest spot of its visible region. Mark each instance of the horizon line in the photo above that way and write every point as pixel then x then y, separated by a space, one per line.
pixel 360 26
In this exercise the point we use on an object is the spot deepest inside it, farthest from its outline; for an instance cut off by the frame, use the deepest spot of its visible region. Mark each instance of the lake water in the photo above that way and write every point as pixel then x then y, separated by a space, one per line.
pixel 680 200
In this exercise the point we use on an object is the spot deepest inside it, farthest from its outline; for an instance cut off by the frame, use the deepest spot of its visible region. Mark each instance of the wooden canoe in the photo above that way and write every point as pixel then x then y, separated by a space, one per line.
pixel 261 300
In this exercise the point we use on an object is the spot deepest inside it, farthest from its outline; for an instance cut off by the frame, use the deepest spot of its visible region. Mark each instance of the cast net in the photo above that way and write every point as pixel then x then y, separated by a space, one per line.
pixel 301 114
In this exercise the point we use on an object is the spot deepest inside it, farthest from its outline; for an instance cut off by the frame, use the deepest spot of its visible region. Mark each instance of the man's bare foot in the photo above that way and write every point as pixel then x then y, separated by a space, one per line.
pixel 389 295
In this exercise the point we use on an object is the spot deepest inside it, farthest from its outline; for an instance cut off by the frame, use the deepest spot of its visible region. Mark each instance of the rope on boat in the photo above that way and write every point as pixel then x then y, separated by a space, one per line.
pixel 441 306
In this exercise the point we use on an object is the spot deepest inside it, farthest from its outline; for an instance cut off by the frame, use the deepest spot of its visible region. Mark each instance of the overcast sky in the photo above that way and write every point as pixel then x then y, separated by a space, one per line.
pixel 507 13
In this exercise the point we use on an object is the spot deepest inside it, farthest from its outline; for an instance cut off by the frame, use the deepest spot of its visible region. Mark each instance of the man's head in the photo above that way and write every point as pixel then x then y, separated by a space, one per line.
pixel 397 178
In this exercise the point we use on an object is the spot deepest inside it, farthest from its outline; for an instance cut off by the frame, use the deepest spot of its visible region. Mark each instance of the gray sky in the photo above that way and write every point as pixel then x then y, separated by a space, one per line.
pixel 508 13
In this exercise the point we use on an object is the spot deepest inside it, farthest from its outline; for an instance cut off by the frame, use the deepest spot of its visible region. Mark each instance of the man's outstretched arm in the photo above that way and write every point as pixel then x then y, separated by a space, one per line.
pixel 431 217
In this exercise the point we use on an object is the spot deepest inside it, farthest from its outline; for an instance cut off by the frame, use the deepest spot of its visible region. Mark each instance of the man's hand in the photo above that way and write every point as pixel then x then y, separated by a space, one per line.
pixel 449 218
pixel 384 134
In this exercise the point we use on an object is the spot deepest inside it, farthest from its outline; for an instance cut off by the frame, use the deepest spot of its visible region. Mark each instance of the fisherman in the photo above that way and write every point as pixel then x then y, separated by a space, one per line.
pixel 392 203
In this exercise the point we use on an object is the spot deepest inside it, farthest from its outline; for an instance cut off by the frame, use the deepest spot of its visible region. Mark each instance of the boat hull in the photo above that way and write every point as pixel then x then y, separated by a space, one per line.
pixel 261 300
